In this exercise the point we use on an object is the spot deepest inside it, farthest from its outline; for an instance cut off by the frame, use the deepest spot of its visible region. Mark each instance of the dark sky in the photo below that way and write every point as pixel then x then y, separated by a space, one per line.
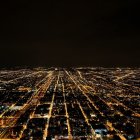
pixel 70 33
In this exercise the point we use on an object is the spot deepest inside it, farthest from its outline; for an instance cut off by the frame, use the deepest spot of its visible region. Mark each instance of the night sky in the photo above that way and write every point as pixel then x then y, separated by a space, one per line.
pixel 70 33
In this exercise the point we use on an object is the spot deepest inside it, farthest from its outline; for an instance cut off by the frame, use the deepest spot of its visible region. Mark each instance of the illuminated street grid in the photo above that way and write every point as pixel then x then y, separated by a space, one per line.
pixel 76 103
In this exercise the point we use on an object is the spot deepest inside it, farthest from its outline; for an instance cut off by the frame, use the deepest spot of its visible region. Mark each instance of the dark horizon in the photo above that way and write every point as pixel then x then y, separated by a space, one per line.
pixel 66 34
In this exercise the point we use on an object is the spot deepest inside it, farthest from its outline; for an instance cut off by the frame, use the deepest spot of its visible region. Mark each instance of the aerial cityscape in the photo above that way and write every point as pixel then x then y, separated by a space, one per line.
pixel 70 104
pixel 70 70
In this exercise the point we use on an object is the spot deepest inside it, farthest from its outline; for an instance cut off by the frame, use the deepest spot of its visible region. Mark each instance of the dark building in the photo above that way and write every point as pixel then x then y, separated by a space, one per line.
pixel 137 126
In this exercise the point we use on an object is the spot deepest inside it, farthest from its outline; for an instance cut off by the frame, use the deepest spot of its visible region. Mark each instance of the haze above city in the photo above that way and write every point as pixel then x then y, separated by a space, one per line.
pixel 65 34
